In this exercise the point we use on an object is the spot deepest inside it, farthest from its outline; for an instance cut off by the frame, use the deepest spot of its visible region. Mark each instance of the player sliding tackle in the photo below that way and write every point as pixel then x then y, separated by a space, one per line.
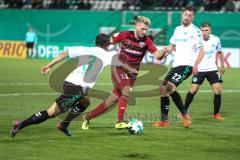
pixel 133 47
pixel 187 40
pixel 77 84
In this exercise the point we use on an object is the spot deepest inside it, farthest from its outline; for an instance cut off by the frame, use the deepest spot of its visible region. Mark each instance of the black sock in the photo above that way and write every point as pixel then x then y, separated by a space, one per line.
pixel 188 100
pixel 65 123
pixel 165 102
pixel 217 103
pixel 39 117
pixel 75 111
pixel 178 102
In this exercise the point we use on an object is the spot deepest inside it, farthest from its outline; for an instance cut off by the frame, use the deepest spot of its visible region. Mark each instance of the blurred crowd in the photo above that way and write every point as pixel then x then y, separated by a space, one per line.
pixel 203 5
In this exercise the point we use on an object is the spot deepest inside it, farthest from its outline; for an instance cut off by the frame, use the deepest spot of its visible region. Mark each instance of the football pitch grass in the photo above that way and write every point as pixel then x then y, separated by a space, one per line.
pixel 24 91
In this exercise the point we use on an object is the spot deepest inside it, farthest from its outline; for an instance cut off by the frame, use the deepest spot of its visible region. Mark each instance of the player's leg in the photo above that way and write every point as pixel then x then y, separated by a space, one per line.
pixel 190 95
pixel 215 80
pixel 174 78
pixel 76 110
pixel 30 53
pixel 36 118
pixel 122 103
pixel 41 116
pixel 33 49
pixel 179 74
pixel 171 81
pixel 164 102
pixel 99 110
pixel 217 100
pixel 70 99
pixel 122 106
pixel 30 50
pixel 179 103
pixel 125 85
pixel 197 80
pixel 27 47
pixel 171 88
pixel 164 105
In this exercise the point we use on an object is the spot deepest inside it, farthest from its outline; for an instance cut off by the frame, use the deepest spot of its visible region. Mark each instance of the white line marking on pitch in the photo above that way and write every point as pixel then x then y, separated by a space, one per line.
pixel 52 93
pixel 39 84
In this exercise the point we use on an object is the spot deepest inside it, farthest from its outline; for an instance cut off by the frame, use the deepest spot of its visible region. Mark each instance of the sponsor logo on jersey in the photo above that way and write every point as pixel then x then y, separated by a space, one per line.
pixel 142 44
pixel 133 51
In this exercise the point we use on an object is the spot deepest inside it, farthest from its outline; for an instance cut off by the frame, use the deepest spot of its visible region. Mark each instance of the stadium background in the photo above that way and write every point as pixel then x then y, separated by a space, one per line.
pixel 24 91
pixel 57 29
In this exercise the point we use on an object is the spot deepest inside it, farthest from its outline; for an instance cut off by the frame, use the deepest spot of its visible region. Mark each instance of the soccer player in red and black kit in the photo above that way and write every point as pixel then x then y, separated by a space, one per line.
pixel 132 49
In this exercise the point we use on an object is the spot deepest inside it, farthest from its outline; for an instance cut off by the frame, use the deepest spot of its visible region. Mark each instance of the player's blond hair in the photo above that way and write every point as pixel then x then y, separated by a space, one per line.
pixel 142 19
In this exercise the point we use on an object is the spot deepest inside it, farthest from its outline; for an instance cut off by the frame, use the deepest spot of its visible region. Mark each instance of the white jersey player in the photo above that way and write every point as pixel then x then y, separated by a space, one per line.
pixel 208 69
pixel 92 61
pixel 77 84
pixel 187 40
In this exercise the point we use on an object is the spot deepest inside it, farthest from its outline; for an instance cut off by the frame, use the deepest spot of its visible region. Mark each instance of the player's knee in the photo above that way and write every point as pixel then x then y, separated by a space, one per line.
pixel 217 90
pixel 194 88
pixel 51 113
pixel 85 101
pixel 111 102
pixel 170 88
pixel 163 90
pixel 193 91
pixel 127 91
pixel 78 108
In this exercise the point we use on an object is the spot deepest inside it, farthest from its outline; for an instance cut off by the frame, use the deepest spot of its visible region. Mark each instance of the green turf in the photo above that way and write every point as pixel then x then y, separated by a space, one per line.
pixel 206 139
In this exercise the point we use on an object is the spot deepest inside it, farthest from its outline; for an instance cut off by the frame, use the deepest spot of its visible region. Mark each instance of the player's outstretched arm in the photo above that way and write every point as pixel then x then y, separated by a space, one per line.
pixel 221 58
pixel 60 57
pixel 198 60
pixel 160 54
pixel 164 52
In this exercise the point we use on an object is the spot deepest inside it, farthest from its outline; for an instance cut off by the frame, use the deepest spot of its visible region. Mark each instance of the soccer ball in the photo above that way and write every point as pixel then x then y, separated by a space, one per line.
pixel 136 126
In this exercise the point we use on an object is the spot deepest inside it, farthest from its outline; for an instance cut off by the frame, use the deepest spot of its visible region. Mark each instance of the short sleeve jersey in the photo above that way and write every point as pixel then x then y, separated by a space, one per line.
pixel 187 41
pixel 132 50
pixel 95 59
pixel 211 46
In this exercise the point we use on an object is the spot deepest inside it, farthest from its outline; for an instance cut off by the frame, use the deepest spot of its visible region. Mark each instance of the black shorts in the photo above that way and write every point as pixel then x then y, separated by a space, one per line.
pixel 177 75
pixel 29 44
pixel 212 77
pixel 71 95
